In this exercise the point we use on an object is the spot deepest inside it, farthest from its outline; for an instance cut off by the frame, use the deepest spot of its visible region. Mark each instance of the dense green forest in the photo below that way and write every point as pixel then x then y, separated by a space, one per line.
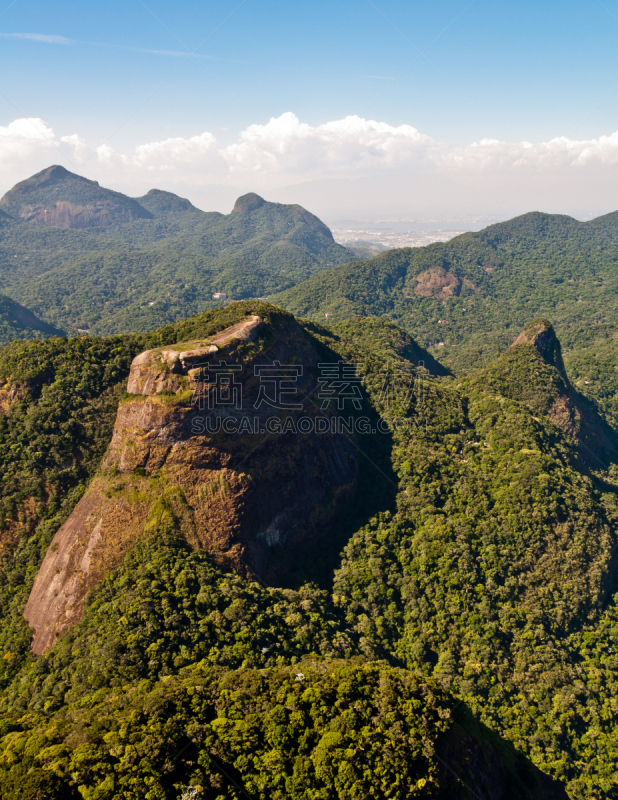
pixel 467 299
pixel 17 322
pixel 144 262
pixel 137 264
pixel 465 640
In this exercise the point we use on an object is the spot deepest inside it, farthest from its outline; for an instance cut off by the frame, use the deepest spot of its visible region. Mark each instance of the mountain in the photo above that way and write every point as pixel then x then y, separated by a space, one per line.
pixel 495 573
pixel 165 205
pixel 86 258
pixel 463 299
pixel 62 199
pixel 532 370
pixel 411 578
pixel 166 456
pixel 168 565
pixel 17 322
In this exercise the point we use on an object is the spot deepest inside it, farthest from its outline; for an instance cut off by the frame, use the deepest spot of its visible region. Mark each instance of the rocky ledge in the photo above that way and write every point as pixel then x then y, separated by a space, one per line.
pixel 242 497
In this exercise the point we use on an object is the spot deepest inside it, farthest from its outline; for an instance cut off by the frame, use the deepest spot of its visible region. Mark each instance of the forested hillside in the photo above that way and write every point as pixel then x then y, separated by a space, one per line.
pixel 466 299
pixel 460 646
pixel 17 322
pixel 85 258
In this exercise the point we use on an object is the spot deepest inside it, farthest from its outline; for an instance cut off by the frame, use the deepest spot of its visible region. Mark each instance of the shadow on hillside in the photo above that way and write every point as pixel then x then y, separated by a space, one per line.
pixel 476 764
pixel 374 492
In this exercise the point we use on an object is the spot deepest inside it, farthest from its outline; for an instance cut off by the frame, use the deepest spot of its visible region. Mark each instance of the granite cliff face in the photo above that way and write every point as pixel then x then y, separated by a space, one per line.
pixel 439 282
pixel 97 214
pixel 61 199
pixel 185 456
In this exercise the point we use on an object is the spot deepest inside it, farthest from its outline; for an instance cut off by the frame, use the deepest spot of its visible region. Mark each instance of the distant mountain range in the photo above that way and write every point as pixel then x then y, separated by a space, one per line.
pixel 463 299
pixel 87 258
pixel 62 199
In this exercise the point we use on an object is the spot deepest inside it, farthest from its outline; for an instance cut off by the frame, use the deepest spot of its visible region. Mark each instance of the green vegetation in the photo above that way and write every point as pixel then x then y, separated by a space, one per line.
pixel 90 203
pixel 270 709
pixel 66 393
pixel 262 734
pixel 167 607
pixel 504 276
pixel 17 322
pixel 149 262
pixel 479 601
pixel 494 574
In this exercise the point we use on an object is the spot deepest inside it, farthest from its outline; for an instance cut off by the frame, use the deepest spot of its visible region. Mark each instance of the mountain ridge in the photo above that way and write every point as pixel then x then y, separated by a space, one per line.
pixel 464 299
pixel 60 198
pixel 142 268
pixel 471 563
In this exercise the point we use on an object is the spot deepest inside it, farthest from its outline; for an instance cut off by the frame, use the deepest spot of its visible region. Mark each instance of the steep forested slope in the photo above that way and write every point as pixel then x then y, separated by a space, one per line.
pixel 466 299
pixel 84 257
pixel 17 322
pixel 475 596
pixel 496 574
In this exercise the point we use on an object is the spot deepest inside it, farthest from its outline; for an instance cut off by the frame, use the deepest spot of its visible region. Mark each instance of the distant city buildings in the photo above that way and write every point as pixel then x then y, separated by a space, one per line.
pixel 356 237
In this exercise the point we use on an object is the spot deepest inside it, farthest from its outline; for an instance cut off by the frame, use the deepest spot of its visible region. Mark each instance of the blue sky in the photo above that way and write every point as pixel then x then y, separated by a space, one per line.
pixel 459 72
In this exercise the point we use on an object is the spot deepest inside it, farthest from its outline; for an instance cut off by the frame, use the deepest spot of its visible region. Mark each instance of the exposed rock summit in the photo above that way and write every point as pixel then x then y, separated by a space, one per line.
pixel 159 370
pixel 176 461
pixel 532 371
pixel 541 335
pixel 63 199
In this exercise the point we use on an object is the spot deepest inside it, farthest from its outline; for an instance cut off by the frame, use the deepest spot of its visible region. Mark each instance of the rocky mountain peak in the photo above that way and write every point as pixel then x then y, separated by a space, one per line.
pixel 53 176
pixel 248 498
pixel 57 174
pixel 541 335
pixel 247 203
pixel 62 199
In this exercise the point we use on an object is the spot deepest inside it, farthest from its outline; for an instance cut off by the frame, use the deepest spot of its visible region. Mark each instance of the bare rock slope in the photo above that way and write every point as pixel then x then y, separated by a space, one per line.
pixel 178 459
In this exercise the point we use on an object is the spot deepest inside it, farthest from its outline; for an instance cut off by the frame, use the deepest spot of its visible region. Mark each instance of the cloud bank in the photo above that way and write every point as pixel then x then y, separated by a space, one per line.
pixel 353 152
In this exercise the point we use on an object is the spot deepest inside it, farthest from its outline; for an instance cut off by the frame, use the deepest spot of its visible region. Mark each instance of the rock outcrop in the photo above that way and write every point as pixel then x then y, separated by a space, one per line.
pixel 160 369
pixel 62 199
pixel 532 371
pixel 11 393
pixel 441 283
pixel 63 214
pixel 541 335
pixel 216 473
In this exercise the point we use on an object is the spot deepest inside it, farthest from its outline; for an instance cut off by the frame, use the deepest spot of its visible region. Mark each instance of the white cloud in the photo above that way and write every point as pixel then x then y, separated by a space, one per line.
pixel 286 145
pixel 178 153
pixel 360 152
pixel 266 155
pixel 25 138
pixel 48 38
pixel 29 144
pixel 560 152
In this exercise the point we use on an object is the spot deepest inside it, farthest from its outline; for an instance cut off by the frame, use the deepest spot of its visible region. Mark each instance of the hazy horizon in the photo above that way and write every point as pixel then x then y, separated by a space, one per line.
pixel 376 110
